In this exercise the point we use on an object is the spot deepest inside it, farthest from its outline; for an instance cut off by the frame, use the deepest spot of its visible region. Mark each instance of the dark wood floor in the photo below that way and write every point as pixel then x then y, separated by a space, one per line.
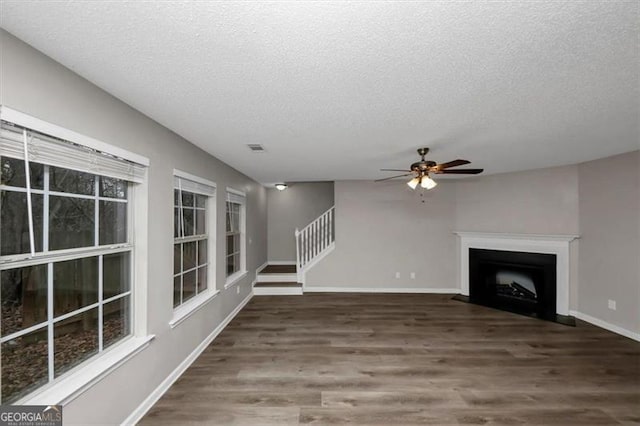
pixel 403 359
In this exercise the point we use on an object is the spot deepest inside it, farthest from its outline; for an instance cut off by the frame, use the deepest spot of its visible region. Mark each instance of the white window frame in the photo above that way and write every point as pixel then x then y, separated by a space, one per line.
pixel 200 186
pixel 74 382
pixel 238 197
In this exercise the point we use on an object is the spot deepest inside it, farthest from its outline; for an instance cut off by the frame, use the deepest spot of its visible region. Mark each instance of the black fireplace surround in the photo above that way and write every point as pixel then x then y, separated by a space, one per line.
pixel 518 282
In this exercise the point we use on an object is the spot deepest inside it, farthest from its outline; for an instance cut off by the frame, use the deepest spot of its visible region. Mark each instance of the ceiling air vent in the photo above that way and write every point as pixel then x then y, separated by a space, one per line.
pixel 255 147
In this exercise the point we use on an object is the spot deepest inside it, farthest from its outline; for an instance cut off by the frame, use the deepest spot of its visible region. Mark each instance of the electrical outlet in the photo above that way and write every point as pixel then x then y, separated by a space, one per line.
pixel 397 275
pixel 612 304
pixel 413 275
pixel 238 289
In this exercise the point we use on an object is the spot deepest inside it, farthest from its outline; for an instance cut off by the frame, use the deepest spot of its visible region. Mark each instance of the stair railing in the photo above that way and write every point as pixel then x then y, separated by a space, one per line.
pixel 314 239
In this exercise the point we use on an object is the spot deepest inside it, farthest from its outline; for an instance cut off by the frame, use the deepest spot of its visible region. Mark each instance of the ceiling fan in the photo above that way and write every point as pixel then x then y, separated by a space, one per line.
pixel 421 169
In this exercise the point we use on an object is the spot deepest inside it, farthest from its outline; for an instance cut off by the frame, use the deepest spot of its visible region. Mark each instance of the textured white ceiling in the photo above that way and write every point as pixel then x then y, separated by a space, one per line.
pixel 338 90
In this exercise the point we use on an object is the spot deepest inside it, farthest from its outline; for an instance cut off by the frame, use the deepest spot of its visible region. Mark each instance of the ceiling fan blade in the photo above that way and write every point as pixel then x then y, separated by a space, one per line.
pixel 454 163
pixel 394 170
pixel 393 177
pixel 459 172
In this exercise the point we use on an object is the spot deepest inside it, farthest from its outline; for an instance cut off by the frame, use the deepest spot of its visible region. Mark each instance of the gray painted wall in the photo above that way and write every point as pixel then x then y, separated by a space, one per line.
pixel 295 207
pixel 35 84
pixel 610 242
pixel 543 201
pixel 383 228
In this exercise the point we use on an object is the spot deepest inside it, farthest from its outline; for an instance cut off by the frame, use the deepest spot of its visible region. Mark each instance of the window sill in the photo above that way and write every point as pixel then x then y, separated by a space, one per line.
pixel 192 306
pixel 81 380
pixel 234 279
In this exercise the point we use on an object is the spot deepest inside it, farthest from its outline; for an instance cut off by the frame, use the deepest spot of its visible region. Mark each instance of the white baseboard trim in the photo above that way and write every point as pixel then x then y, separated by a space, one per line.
pixel 261 267
pixel 281 262
pixel 157 393
pixel 607 326
pixel 381 290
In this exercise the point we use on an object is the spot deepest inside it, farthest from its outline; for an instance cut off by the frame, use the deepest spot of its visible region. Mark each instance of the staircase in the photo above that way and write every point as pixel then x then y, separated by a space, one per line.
pixel 276 280
pixel 313 242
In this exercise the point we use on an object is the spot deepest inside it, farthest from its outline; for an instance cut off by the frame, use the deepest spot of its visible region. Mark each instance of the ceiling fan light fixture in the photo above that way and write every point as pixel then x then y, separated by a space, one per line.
pixel 428 183
pixel 413 183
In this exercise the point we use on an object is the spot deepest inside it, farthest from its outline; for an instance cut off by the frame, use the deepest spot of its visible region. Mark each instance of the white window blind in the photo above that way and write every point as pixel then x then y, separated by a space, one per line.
pixel 67 154
pixel 235 196
pixel 189 185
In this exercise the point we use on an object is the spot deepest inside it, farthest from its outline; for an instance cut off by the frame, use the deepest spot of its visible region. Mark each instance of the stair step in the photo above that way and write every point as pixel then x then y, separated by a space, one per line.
pixel 276 278
pixel 277 284
pixel 279 269
pixel 277 288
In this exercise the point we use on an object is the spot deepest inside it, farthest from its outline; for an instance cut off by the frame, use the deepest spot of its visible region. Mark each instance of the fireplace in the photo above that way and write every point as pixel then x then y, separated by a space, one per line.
pixel 523 294
pixel 520 282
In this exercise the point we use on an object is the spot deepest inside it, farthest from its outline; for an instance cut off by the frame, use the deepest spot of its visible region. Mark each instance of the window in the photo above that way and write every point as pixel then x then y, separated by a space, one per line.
pixel 191 258
pixel 66 256
pixel 235 227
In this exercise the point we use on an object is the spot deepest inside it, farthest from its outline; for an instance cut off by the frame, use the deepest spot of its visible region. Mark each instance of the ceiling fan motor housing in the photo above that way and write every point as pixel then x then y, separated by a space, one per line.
pixel 423 166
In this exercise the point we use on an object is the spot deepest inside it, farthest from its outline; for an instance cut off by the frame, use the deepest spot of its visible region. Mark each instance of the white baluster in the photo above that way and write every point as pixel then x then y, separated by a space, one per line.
pixel 310 244
pixel 302 244
pixel 314 229
pixel 306 245
pixel 306 248
pixel 331 224
pixel 317 237
pixel 310 229
pixel 322 233
pixel 326 229
pixel 298 252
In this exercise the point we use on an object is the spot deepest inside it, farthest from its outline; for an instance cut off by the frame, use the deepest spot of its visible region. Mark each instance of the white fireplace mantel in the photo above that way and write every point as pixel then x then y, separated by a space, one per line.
pixel 531 243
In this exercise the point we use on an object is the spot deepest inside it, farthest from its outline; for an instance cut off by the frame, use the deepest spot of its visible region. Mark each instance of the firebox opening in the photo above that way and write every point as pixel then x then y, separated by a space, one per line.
pixel 519 282
pixel 515 285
